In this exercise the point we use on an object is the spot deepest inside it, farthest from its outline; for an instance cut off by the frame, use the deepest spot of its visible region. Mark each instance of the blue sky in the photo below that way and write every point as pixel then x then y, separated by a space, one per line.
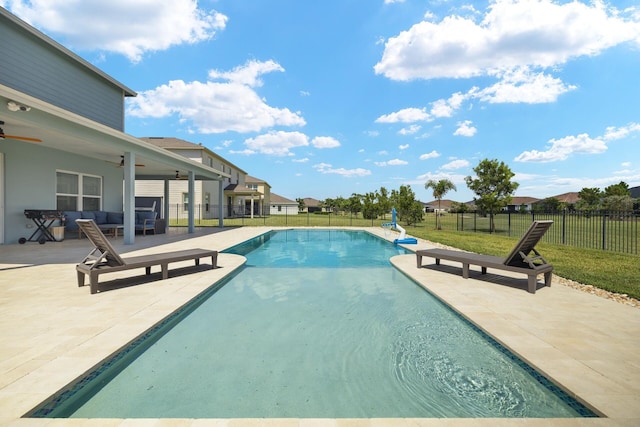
pixel 328 98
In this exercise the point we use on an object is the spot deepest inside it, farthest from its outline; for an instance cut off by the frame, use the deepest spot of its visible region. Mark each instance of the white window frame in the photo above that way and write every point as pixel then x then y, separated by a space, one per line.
pixel 80 196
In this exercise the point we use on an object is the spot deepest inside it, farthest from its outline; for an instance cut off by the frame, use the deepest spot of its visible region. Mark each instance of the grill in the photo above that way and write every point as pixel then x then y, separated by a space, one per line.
pixel 43 219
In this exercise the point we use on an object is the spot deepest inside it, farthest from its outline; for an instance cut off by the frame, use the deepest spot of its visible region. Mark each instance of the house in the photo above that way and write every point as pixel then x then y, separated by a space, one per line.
pixel 635 192
pixel 238 189
pixel 312 205
pixel 62 144
pixel 519 203
pixel 282 206
pixel 443 205
pixel 264 190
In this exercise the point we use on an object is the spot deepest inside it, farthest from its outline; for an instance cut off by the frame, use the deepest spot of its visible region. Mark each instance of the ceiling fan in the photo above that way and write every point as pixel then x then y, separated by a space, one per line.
pixel 178 176
pixel 21 138
pixel 121 164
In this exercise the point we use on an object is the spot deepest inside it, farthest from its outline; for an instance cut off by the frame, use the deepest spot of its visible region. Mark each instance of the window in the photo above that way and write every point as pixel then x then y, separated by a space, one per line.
pixel 185 201
pixel 252 186
pixel 78 192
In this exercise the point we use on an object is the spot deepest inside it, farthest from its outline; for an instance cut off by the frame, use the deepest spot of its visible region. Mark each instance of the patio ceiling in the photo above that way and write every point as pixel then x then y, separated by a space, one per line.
pixel 61 130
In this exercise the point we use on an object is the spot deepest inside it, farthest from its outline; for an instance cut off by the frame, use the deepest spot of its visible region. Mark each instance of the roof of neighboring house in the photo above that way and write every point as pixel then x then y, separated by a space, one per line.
pixel 279 200
pixel 444 204
pixel 635 192
pixel 171 143
pixel 518 201
pixel 57 46
pixel 253 180
pixel 571 197
pixel 240 190
pixel 309 202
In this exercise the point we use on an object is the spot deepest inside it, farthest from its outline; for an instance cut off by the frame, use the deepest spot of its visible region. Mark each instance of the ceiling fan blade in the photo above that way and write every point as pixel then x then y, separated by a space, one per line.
pixel 22 138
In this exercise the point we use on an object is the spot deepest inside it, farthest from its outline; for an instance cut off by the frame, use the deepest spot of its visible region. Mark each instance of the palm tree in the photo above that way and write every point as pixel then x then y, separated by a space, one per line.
pixel 440 188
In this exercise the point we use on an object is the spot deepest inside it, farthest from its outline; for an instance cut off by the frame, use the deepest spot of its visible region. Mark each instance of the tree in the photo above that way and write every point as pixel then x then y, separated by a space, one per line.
pixel 354 204
pixel 550 204
pixel 620 189
pixel 590 199
pixel 408 208
pixel 370 208
pixel 440 188
pixel 384 203
pixel 492 185
pixel 301 204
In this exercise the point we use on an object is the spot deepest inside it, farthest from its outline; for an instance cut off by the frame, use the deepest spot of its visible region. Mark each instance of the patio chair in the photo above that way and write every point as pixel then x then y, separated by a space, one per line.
pixel 104 258
pixel 523 258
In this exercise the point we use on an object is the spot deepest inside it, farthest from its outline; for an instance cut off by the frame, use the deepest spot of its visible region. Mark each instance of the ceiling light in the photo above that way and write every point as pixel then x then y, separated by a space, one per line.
pixel 14 106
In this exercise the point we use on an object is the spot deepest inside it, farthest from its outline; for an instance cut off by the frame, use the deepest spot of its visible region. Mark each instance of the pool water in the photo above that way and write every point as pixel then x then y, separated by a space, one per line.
pixel 318 324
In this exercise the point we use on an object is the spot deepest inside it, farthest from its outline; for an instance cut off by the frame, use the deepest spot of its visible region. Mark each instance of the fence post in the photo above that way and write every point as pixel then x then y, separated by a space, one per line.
pixel 564 226
pixel 604 231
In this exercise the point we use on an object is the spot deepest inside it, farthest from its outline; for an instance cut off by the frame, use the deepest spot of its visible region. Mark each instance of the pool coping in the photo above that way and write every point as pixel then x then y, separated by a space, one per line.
pixel 588 345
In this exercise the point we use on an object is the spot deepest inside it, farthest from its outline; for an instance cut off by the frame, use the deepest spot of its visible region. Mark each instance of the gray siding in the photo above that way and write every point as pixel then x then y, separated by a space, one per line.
pixel 31 66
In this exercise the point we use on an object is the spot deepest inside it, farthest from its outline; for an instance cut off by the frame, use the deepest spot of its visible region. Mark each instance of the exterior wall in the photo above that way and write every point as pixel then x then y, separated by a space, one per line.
pixel 33 67
pixel 32 170
pixel 276 209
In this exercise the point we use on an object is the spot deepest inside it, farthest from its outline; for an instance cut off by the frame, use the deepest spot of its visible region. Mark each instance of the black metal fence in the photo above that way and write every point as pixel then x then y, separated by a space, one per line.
pixel 602 230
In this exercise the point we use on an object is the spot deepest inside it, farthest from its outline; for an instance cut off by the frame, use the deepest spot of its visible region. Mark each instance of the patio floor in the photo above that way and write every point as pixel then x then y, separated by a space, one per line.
pixel 52 331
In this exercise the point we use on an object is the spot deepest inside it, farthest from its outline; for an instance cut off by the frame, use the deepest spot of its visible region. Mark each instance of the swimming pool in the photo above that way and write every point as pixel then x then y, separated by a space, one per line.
pixel 317 324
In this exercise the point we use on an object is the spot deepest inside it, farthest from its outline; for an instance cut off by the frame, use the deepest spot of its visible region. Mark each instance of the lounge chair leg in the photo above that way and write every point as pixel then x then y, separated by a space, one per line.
pixel 533 283
pixel 547 278
pixel 419 261
pixel 197 261
pixel 93 280
pixel 214 260
pixel 437 261
pixel 80 279
pixel 165 271
pixel 484 270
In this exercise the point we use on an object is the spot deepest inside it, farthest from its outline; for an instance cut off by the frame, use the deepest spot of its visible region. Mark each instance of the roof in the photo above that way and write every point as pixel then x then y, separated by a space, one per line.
pixel 571 197
pixel 309 202
pixel 171 143
pixel 444 203
pixel 57 46
pixel 635 192
pixel 518 201
pixel 279 200
pixel 253 180
pixel 240 190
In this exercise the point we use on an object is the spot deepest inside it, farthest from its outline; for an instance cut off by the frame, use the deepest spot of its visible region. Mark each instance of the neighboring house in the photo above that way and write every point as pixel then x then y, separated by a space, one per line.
pixel 282 206
pixel 445 205
pixel 238 196
pixel 312 205
pixel 262 187
pixel 62 144
pixel 635 192
pixel 518 203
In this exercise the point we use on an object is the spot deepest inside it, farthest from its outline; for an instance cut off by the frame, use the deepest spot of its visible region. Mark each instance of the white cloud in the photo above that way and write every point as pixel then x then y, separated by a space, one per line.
pixel 305 160
pixel 432 155
pixel 563 148
pixel 326 168
pixel 403 147
pixel 511 34
pixel 247 74
pixel 277 143
pixel 394 162
pixel 410 130
pixel 613 133
pixel 455 164
pixel 465 129
pixel 407 115
pixel 127 27
pixel 325 142
pixel 217 107
pixel 522 85
pixel 393 1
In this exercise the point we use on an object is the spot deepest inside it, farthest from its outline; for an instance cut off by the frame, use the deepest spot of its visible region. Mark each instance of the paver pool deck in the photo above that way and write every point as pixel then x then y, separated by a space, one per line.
pixel 51 331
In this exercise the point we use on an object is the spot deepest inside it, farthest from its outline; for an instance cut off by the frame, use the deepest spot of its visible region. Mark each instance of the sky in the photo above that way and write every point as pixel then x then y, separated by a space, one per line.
pixel 328 98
